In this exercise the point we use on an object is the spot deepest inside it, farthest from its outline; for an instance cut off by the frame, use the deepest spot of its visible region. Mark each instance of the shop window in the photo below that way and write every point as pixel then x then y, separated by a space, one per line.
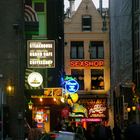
pixel 77 50
pixel 97 79
pixel 79 75
pixel 86 23
pixel 96 50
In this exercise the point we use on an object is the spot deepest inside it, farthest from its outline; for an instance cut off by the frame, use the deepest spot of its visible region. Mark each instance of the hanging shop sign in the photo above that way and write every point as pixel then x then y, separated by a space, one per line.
pixel 40 116
pixel 87 63
pixel 97 108
pixel 71 86
pixel 53 92
pixel 35 79
pixel 41 53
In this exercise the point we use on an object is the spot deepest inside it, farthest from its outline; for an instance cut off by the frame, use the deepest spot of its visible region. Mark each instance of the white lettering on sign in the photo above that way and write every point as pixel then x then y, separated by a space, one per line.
pixel 40 45
pixel 34 62
pixel 41 54
pixel 98 108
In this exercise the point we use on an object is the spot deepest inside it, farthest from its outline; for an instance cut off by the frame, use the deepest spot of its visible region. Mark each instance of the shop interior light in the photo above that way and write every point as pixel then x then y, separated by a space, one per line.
pixel 54 99
pixel 62 99
pixel 40 99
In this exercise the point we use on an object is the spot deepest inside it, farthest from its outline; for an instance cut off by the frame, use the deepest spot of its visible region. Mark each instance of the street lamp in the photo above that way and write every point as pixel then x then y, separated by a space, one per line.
pixel 10 89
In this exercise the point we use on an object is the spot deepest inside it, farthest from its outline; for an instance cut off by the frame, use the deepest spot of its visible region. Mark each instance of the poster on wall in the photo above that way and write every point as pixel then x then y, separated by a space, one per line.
pixel 41 53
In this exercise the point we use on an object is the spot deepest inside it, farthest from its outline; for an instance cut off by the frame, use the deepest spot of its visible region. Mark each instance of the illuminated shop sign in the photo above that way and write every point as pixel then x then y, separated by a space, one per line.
pixel 35 79
pixel 53 92
pixel 40 117
pixel 97 111
pixel 91 119
pixel 87 63
pixel 97 108
pixel 71 86
pixel 41 53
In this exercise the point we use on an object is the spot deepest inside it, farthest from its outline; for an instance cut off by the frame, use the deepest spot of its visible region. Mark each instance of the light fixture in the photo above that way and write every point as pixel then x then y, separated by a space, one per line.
pixel 62 99
pixel 128 109
pixel 40 99
pixel 10 89
pixel 134 108
pixel 54 99
pixel 30 105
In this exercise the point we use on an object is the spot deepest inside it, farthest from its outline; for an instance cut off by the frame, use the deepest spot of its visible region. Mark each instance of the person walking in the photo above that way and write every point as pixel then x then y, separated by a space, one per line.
pixel 101 132
pixel 90 132
pixel 117 132
pixel 80 130
pixel 132 132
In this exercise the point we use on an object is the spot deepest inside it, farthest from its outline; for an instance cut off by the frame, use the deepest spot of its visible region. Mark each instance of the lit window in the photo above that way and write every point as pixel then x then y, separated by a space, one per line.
pixel 97 79
pixel 79 75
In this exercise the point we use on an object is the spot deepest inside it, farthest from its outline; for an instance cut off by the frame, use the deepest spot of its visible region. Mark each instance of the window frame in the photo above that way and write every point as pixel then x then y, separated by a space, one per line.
pixel 100 81
pixel 86 27
pixel 98 45
pixel 77 76
pixel 77 48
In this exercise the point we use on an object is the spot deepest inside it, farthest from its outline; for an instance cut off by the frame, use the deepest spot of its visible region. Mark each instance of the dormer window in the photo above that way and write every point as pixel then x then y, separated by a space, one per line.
pixel 86 23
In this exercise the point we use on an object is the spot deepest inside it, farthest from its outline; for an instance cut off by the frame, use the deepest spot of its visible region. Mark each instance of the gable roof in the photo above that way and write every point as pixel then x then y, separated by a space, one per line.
pixel 86 7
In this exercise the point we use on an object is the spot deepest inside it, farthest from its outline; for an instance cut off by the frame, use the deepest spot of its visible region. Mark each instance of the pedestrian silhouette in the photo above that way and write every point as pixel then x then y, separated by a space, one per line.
pixel 117 132
pixel 132 132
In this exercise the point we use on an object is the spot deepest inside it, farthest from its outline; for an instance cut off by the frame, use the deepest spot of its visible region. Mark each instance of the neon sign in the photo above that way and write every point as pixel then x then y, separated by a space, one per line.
pixel 87 63
pixel 71 86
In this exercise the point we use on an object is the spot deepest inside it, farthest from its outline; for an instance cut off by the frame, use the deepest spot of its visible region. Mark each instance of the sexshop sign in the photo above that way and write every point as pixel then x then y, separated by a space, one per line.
pixel 87 63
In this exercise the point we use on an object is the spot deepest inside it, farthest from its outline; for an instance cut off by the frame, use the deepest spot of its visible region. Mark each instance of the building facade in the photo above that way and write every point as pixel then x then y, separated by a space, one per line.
pixel 87 54
pixel 12 68
pixel 45 57
pixel 136 42
pixel 28 22
pixel 124 33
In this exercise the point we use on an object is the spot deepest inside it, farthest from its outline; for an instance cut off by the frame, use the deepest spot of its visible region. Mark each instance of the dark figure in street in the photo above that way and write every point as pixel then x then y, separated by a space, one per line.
pixel 101 132
pixel 90 133
pixel 109 133
pixel 117 132
pixel 132 132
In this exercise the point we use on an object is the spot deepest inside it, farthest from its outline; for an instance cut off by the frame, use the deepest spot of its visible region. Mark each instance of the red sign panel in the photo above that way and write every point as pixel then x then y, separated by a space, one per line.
pixel 87 63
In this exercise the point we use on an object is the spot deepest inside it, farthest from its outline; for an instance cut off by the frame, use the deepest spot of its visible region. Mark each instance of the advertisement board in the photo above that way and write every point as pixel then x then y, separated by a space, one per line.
pixel 41 53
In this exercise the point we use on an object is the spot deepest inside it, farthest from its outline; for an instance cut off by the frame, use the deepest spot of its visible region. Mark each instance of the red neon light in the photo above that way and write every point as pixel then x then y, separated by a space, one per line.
pixel 91 120
pixel 87 63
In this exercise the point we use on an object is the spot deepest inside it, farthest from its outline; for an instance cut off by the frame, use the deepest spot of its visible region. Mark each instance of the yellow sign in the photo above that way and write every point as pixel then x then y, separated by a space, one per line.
pixel 53 92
